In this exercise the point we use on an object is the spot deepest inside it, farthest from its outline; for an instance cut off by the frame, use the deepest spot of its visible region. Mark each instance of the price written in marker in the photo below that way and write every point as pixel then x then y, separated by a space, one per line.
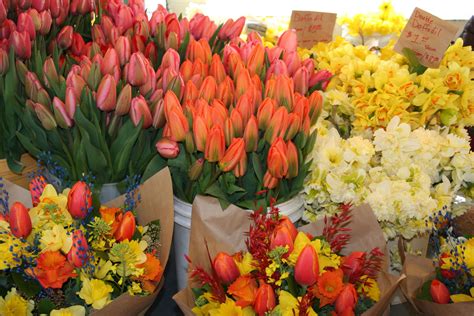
pixel 427 36
pixel 312 27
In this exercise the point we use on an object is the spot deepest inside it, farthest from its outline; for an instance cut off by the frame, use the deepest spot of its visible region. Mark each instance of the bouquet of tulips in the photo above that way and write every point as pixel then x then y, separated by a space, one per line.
pixel 280 270
pixel 68 254
pixel 449 289
pixel 242 123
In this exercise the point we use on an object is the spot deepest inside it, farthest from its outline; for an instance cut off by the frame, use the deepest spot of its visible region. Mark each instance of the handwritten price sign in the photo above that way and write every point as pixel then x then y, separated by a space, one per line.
pixel 428 36
pixel 312 27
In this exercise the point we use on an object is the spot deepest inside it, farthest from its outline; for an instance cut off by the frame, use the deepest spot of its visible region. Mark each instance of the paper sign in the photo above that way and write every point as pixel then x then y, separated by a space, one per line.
pixel 312 27
pixel 428 36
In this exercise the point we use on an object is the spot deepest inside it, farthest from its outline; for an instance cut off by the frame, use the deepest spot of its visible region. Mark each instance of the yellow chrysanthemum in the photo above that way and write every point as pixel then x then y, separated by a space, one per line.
pixel 76 310
pixel 95 292
pixel 51 210
pixel 14 305
pixel 56 238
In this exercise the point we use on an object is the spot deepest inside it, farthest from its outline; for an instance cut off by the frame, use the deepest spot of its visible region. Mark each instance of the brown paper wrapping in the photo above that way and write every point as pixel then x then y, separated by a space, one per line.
pixel 224 230
pixel 156 203
pixel 418 270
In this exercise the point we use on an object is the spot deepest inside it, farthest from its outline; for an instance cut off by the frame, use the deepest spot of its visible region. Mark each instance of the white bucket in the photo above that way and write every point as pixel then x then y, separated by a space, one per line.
pixel 182 229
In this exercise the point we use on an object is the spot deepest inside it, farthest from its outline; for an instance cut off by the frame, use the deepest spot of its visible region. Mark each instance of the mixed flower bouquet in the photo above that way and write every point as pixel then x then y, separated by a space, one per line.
pixel 403 174
pixel 222 138
pixel 449 288
pixel 369 89
pixel 68 254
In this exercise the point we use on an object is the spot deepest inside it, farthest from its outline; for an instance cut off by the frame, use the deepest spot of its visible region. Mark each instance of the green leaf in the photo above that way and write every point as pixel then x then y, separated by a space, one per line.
pixel 257 167
pixel 123 158
pixel 87 127
pixel 309 144
pixel 232 188
pixel 155 165
pixel 95 158
pixel 215 190
pixel 415 65
pixel 26 142
pixel 180 161
pixel 45 306
pixel 184 46
pixel 424 293
pixel 30 288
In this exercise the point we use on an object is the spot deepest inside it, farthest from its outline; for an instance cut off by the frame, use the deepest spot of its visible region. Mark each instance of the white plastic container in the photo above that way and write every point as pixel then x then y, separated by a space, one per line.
pixel 182 229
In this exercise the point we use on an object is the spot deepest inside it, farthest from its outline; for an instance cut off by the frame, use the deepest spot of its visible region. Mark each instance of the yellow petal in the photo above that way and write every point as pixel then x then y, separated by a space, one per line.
pixel 459 298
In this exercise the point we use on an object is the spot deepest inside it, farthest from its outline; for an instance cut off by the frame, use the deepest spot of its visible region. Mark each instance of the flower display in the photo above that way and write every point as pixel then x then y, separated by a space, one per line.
pixel 94 257
pixel 286 272
pixel 404 174
pixel 369 89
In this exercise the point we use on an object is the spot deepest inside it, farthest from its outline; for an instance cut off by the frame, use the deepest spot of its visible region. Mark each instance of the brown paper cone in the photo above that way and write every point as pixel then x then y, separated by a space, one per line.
pixel 156 203
pixel 418 270
pixel 224 230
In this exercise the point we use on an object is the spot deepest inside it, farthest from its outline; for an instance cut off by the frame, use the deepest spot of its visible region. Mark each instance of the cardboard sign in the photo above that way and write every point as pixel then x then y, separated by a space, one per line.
pixel 428 36
pixel 312 27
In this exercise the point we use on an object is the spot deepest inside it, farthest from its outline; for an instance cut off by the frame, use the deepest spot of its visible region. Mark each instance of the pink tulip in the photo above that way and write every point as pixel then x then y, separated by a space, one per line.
pixel 65 37
pixel 288 41
pixel 21 44
pixel 107 94
pixel 60 113
pixel 137 71
pixel 167 148
pixel 123 48
pixel 25 24
pixel 139 110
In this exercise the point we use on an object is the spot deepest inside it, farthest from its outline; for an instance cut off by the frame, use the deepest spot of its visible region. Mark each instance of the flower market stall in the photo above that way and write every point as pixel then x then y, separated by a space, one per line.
pixel 314 162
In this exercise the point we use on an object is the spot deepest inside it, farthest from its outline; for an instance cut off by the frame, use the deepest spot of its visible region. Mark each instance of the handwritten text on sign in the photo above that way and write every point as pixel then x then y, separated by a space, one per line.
pixel 428 36
pixel 312 27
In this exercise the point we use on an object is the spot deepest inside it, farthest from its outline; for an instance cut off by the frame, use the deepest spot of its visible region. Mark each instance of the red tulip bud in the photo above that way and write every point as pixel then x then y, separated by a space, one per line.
pixel 55 8
pixel 21 44
pixel 225 268
pixel 167 148
pixel 439 292
pixel 126 228
pixel 107 94
pixel 36 185
pixel 46 22
pixel 79 253
pixel 40 5
pixel 353 263
pixel 264 300
pixel 307 266
pixel 65 37
pixel 20 221
pixel 139 110
pixel 322 77
pixel 281 237
pixel 79 201
pixel 25 24
pixel 347 299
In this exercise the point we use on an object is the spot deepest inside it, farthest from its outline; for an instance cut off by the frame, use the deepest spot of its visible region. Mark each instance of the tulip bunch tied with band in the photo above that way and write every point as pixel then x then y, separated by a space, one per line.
pixel 287 272
pixel 240 125
pixel 66 254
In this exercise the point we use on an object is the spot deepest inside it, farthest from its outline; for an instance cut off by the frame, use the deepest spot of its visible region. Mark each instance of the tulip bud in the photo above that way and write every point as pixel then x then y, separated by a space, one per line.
pixel 288 41
pixel 301 80
pixel 178 123
pixel 217 69
pixel 241 168
pixel 189 143
pixel 208 89
pixel 46 22
pixel 315 106
pixel 139 110
pixel 60 114
pixel 126 228
pixel 167 148
pixel 45 116
pixel 256 61
pixel 265 113
pixel 21 69
pixel 264 300
pixel 237 123
pixel 25 24
pixel 294 125
pixel 439 292
pixel 307 266
pixel 78 255
pixel 124 100
pixel 228 131
pixel 65 37
pixel 49 72
pixel 225 91
pixel 347 299
pixel 4 62
pixel 284 91
pixel 320 77
pixel 352 264
pixel 159 119
pixel 286 222
pixel 277 124
pixel 196 169
pixel 79 200
pixel 124 49
pixel 21 44
pixel 251 135
pixel 110 62
pixel 201 132
pixel 20 221
pixel 215 145
pixel 137 70
pixel 3 12
pixel 36 186
pixel 94 77
pixel 107 94
pixel 225 268
pixel 281 237
pixel 292 155
pixel 71 102
pixel 232 155
pixel 277 160
pixel 40 5
pixel 269 181
pixel 55 8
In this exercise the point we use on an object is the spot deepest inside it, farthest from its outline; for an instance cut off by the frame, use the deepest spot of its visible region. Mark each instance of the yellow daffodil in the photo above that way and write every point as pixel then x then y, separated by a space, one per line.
pixel 12 249
pixel 135 289
pixel 326 257
pixel 76 310
pixel 459 298
pixel 128 254
pixel 230 309
pixel 56 238
pixel 245 263
pixel 51 210
pixel 289 305
pixel 371 288
pixel 14 305
pixel 103 268
pixel 203 309
pixel 95 292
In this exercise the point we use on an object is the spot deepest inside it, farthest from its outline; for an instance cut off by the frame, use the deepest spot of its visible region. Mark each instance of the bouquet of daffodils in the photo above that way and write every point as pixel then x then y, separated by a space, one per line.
pixel 404 174
pixel 67 254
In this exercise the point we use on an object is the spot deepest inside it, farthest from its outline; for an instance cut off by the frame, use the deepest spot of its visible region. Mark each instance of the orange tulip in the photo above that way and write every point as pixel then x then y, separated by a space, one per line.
pixel 284 91
pixel 126 228
pixel 241 168
pixel 281 237
pixel 200 132
pixel 124 100
pixel 215 145
pixel 294 125
pixel 264 299
pixel 347 299
pixel 228 132
pixel 315 106
pixel 244 290
pixel 277 160
pixel 217 69
pixel 286 222
pixel 269 181
pixel 439 292
pixel 208 89
pixel 292 155
pixel 112 216
pixel 190 92
pixel 237 122
pixel 225 268
pixel 307 266
pixel 78 255
pixel 242 83
pixel 251 135
pixel 53 270
pixel 256 60
pixel 37 185
pixel 265 113
pixel 232 155
pixel 20 221
pixel 278 123
pixel 79 200
pixel 178 123
pixel 244 106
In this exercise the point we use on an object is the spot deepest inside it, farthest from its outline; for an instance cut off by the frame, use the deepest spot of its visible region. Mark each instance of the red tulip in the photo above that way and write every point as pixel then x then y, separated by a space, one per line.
pixel 46 22
pixel 307 266
pixel 79 201
pixel 71 102
pixel 137 70
pixel 281 237
pixel 78 255
pixel 286 222
pixel 21 44
pixel 82 6
pixel 288 41
pixel 110 62
pixel 3 12
pixel 25 24
pixel 124 49
pixel 232 155
pixel 139 110
pixel 107 94
pixel 225 268
pixel 124 18
pixel 215 144
pixel 231 29
pixel 4 63
pixel 60 113
pixel 321 77
pixel 439 292
pixel 264 300
pixel 20 221
pixel 126 228
pixel 55 8
pixel 347 299
pixel 40 5
pixel 167 148
pixel 36 185
pixel 65 37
